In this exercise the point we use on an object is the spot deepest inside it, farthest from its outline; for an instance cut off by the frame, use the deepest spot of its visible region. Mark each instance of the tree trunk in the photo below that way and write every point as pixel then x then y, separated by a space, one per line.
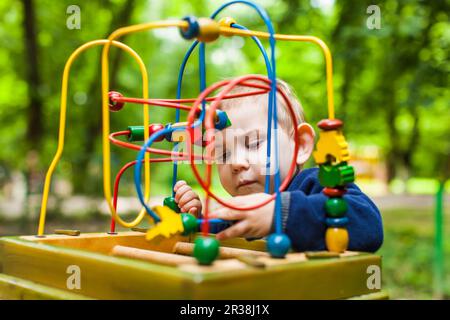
pixel 34 108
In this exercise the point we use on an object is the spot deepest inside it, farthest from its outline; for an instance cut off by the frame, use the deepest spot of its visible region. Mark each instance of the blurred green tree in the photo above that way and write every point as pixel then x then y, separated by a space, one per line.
pixel 391 83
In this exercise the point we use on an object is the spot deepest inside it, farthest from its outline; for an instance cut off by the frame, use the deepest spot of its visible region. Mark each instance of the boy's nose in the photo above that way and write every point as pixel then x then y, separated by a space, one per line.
pixel 239 164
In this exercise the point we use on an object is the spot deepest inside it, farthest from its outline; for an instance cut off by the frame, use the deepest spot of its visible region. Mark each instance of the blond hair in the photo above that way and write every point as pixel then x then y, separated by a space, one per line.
pixel 283 114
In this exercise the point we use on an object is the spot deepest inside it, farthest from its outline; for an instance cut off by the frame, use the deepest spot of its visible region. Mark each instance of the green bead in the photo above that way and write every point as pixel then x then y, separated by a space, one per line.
pixel 170 202
pixel 206 250
pixel 189 223
pixel 136 133
pixel 228 123
pixel 336 175
pixel 336 207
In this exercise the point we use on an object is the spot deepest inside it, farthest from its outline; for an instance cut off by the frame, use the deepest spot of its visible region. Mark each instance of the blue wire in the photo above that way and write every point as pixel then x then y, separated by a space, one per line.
pixel 138 169
pixel 177 112
pixel 137 177
pixel 266 19
pixel 269 71
pixel 272 113
pixel 149 142
pixel 200 221
pixel 202 76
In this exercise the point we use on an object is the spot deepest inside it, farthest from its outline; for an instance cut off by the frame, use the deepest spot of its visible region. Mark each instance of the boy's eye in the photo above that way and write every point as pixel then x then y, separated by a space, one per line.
pixel 254 145
pixel 223 157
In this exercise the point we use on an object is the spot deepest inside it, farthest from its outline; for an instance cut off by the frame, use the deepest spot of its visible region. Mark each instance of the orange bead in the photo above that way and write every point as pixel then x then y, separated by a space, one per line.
pixel 209 30
pixel 336 239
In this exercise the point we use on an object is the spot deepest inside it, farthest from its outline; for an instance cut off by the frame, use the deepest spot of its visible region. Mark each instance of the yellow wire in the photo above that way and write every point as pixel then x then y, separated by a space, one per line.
pixel 326 51
pixel 105 108
pixel 105 116
pixel 62 117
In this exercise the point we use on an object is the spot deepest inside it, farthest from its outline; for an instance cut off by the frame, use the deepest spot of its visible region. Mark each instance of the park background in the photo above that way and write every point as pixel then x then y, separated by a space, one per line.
pixel 391 87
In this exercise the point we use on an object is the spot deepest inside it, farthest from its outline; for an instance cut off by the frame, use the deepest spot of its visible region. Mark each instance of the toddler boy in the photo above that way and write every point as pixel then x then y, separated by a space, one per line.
pixel 240 153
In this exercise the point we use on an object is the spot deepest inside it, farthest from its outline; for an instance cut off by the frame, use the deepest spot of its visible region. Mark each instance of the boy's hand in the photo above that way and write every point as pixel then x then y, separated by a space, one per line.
pixel 252 224
pixel 188 201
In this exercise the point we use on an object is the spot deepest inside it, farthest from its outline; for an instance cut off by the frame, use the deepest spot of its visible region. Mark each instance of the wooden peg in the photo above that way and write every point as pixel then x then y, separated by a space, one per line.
pixel 187 248
pixel 68 232
pixel 169 259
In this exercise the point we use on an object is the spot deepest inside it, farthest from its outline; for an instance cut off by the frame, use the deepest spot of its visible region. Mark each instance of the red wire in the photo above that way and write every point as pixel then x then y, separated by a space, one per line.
pixel 171 103
pixel 193 111
pixel 210 125
pixel 117 182
pixel 153 102
pixel 132 146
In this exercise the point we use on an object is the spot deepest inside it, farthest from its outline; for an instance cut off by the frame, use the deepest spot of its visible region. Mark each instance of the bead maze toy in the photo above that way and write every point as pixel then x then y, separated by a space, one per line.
pixel 171 255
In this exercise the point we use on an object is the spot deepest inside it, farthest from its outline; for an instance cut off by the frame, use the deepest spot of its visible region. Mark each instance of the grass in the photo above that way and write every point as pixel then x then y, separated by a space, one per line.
pixel 408 253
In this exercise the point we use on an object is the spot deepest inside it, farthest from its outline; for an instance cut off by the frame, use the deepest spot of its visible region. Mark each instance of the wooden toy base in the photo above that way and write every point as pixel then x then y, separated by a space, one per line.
pixel 34 268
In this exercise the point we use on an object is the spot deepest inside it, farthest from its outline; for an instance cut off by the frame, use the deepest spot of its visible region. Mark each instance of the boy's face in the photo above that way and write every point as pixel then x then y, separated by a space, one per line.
pixel 241 151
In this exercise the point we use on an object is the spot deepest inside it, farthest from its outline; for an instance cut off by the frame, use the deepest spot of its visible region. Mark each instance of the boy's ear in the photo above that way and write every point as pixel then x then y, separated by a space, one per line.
pixel 306 136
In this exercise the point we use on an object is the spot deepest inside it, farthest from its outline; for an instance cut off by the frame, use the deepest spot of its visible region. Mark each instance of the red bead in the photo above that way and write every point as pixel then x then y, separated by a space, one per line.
pixel 330 124
pixel 333 192
pixel 115 106
pixel 155 127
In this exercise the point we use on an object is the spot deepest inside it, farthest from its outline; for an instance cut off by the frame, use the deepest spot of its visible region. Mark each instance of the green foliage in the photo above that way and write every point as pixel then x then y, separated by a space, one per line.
pixel 391 84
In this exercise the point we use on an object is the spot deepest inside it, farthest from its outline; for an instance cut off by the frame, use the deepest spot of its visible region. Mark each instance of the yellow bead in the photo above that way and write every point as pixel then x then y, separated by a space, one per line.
pixel 169 225
pixel 227 22
pixel 209 30
pixel 336 239
pixel 179 136
pixel 331 143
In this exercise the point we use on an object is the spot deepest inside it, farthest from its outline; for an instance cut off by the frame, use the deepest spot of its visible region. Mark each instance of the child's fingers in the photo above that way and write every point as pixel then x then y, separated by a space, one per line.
pixel 181 191
pixel 194 211
pixel 239 229
pixel 187 196
pixel 178 185
pixel 194 203
pixel 228 214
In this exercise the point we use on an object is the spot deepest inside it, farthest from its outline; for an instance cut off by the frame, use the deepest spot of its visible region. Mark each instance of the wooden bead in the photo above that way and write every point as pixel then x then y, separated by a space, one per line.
pixel 115 106
pixel 136 133
pixel 222 120
pixel 170 202
pixel 336 207
pixel 336 239
pixel 192 30
pixel 206 250
pixel 155 127
pixel 278 245
pixel 189 223
pixel 336 175
pixel 209 30
pixel 333 192
pixel 227 22
pixel 336 222
pixel 330 124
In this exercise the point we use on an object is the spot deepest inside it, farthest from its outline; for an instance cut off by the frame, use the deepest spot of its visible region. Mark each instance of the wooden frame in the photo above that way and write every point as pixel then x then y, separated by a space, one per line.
pixel 44 262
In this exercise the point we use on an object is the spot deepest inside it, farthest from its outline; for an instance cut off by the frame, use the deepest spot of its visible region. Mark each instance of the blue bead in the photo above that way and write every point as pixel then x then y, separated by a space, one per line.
pixel 336 222
pixel 278 244
pixel 168 135
pixel 222 120
pixel 193 30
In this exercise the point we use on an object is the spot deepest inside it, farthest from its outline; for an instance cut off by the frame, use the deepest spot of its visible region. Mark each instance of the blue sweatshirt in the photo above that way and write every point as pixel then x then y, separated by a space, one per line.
pixel 303 216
